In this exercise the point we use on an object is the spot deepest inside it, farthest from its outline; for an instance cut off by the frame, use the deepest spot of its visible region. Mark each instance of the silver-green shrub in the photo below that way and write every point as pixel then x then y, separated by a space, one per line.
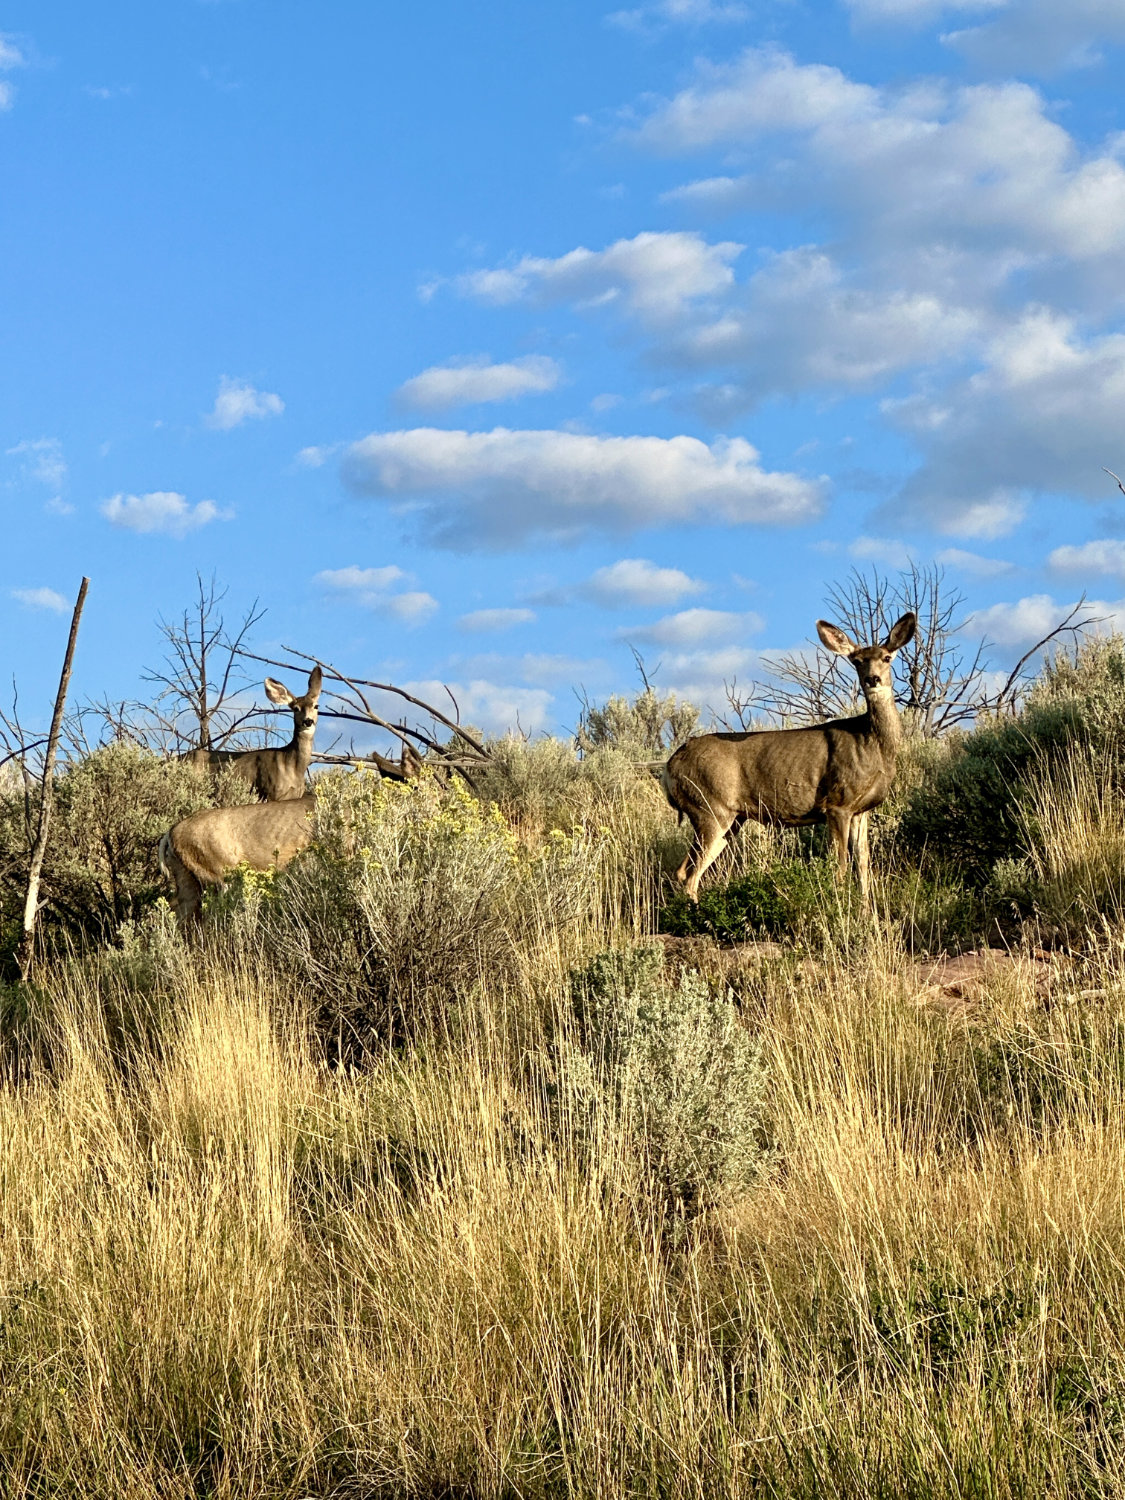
pixel 670 1063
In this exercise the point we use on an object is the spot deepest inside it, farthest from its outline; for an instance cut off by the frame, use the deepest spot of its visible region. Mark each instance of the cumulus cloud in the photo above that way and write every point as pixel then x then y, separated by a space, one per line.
pixel 361 580
pixel 238 401
pixel 973 563
pixel 42 599
pixel 694 627
pixel 41 460
pixel 701 676
pixel 477 380
pixel 655 276
pixel 981 168
pixel 802 322
pixel 162 512
pixel 1035 419
pixel 636 582
pixel 1106 556
pixel 370 588
pixel 491 706
pixel 501 488
pixel 1022 623
pixel 495 619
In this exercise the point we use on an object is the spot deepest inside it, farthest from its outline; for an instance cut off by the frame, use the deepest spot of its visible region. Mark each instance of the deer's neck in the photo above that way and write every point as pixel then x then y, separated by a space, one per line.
pixel 886 726
pixel 300 748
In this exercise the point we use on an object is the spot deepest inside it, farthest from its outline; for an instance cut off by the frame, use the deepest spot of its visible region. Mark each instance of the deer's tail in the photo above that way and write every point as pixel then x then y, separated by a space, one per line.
pixel 667 779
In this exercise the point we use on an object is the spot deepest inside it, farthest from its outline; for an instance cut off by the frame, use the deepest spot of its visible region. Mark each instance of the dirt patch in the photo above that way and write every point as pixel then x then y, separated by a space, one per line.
pixel 958 983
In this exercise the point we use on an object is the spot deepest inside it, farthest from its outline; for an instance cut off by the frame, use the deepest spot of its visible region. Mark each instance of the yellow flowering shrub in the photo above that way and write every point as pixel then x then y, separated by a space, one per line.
pixel 414 893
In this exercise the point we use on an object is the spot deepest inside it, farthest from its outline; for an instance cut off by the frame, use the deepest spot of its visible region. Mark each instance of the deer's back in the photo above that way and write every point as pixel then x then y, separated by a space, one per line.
pixel 260 834
pixel 780 775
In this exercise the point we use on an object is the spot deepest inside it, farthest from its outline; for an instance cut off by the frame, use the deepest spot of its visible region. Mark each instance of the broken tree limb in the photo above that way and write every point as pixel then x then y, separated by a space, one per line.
pixel 47 797
pixel 356 686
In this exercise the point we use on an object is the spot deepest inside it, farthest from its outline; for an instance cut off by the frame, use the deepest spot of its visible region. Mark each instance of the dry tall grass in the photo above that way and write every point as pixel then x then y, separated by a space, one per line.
pixel 229 1269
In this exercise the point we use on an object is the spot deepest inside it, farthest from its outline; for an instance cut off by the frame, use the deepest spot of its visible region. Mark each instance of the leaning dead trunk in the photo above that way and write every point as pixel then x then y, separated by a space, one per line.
pixel 47 797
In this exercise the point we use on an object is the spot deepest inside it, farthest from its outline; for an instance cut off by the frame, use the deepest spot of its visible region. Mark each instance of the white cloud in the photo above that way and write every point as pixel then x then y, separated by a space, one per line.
pixel 1021 624
pixel 939 169
pixel 654 275
pixel 471 381
pixel 887 551
pixel 973 563
pixel 1040 417
pixel 495 619
pixel 636 582
pixel 10 57
pixel 699 676
pixel 694 627
pixel 500 488
pixel 493 707
pixel 41 460
pixel 1105 556
pixel 162 512
pixel 369 588
pixel 238 401
pixel 42 599
pixel 801 322
pixel 412 608
pixel 361 580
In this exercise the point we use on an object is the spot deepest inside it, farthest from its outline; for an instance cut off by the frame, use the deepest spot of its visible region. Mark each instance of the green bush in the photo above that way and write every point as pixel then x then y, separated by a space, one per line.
pixel 971 809
pixel 672 1065
pixel 773 902
pixel 111 807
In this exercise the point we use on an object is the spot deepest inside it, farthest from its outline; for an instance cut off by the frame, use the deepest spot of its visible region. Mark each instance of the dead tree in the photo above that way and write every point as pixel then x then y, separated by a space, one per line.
pixel 941 681
pixel 352 702
pixel 199 704
pixel 46 795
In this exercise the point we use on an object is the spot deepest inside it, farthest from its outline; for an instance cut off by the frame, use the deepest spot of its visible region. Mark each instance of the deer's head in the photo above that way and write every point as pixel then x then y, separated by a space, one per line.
pixel 305 709
pixel 873 664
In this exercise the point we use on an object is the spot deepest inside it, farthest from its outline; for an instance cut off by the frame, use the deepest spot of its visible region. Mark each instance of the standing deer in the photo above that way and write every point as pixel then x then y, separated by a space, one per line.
pixel 278 774
pixel 203 848
pixel 832 773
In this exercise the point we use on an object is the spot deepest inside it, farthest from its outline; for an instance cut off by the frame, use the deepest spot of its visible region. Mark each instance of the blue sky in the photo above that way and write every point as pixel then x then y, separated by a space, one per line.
pixel 481 343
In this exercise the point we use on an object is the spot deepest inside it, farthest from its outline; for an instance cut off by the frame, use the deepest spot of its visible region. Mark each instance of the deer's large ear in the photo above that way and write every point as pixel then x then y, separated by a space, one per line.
pixel 834 638
pixel 902 631
pixel 315 679
pixel 277 692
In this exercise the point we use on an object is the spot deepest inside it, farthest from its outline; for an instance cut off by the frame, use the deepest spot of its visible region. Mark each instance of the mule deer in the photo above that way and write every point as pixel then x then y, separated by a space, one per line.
pixel 276 774
pixel 406 768
pixel 202 849
pixel 832 773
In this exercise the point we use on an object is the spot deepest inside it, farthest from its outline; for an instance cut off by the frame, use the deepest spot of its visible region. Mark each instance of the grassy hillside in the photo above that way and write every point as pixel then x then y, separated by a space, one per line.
pixel 433 1171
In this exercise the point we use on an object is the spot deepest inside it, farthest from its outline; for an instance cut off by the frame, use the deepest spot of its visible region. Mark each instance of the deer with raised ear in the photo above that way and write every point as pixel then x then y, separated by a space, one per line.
pixel 834 773
pixel 277 774
pixel 201 850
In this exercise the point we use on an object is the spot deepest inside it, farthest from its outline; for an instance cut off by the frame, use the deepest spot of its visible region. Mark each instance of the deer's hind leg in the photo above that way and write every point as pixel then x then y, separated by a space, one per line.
pixel 189 891
pixel 710 840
